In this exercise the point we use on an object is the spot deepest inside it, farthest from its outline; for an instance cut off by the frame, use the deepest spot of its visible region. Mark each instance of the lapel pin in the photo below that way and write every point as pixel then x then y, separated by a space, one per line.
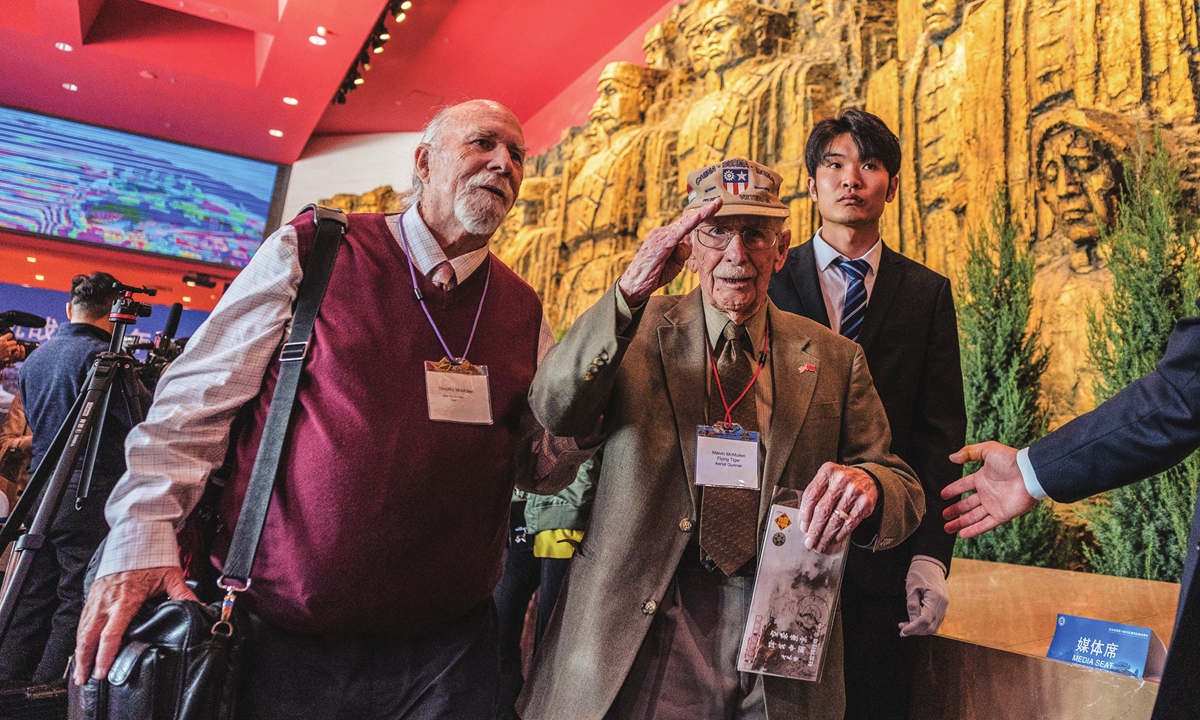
pixel 808 367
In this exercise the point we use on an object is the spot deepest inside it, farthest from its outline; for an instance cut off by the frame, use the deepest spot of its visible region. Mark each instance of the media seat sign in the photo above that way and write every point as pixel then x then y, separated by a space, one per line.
pixel 1110 646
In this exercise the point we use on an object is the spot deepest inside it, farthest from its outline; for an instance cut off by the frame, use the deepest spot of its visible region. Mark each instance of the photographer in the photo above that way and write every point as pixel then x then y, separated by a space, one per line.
pixel 41 638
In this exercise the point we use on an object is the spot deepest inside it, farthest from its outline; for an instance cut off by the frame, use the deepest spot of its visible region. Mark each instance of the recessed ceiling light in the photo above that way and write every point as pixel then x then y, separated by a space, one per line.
pixel 276 133
pixel 31 259
pixel 291 101
pixel 39 277
pixel 321 30
pixel 405 5
pixel 316 39
pixel 185 298
pixel 63 46
pixel 70 86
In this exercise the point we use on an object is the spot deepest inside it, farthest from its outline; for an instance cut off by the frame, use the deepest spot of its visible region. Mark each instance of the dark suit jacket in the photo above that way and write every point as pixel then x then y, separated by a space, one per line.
pixel 910 337
pixel 648 384
pixel 1151 425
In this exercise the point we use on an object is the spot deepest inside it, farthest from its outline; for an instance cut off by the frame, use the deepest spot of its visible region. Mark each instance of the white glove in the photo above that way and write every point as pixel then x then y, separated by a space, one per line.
pixel 928 596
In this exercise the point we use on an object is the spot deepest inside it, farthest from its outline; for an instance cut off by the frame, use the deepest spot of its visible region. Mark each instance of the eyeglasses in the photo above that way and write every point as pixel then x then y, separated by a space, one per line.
pixel 753 238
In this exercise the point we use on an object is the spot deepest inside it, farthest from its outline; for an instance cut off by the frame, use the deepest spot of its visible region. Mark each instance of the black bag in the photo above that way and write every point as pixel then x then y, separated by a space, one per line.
pixel 180 660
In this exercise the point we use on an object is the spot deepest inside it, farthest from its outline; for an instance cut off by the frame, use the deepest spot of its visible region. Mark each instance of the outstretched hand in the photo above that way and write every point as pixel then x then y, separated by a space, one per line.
pixel 662 256
pixel 999 491
pixel 112 602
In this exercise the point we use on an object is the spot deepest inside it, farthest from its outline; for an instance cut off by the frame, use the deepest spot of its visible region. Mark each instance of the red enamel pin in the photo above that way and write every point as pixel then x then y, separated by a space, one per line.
pixel 808 367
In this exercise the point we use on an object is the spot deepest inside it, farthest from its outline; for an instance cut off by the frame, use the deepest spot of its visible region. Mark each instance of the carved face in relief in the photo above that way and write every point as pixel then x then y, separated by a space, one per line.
pixel 721 36
pixel 658 46
pixel 1078 177
pixel 619 104
pixel 942 17
pixel 820 13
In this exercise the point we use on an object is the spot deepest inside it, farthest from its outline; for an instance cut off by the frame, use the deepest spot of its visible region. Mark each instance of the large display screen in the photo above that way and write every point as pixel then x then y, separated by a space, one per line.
pixel 90 184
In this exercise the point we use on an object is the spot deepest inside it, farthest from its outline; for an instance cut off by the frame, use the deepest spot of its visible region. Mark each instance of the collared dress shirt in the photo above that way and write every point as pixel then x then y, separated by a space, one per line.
pixel 186 432
pixel 834 282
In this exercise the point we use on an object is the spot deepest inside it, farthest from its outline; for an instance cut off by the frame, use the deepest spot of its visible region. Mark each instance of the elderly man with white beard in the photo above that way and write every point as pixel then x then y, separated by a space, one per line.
pixel 371 588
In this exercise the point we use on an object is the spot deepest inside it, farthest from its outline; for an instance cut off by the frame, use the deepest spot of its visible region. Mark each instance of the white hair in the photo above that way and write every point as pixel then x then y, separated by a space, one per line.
pixel 431 137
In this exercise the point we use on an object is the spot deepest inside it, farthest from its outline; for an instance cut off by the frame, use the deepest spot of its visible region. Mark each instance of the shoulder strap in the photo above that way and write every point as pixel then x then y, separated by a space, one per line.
pixel 331 226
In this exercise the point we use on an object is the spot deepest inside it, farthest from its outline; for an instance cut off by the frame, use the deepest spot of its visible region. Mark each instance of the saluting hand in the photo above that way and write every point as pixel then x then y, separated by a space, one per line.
pixel 662 256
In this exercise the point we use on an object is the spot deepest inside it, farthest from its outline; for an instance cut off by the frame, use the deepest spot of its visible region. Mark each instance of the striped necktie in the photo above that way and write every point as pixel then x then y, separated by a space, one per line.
pixel 854 309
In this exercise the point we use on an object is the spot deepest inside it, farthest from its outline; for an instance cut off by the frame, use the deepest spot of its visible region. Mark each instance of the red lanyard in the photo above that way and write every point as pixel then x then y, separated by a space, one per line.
pixel 762 360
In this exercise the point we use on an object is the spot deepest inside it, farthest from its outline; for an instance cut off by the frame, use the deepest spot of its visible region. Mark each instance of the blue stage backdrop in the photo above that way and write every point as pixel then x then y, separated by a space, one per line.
pixel 51 304
pixel 85 183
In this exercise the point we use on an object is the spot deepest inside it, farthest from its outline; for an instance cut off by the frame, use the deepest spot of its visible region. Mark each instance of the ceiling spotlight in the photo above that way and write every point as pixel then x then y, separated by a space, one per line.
pixel 378 50
pixel 39 277
pixel 200 280
pixel 63 46
pixel 291 101
pixel 185 298
pixel 321 30
pixel 316 40
pixel 359 81
pixel 70 86
pixel 385 36
pixel 276 133
pixel 405 5
pixel 400 17
pixel 31 259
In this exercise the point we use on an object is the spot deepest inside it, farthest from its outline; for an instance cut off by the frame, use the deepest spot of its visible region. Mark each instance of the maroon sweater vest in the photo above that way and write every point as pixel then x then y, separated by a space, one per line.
pixel 383 521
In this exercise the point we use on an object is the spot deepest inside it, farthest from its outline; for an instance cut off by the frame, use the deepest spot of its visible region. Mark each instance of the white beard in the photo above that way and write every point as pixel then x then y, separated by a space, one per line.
pixel 480 213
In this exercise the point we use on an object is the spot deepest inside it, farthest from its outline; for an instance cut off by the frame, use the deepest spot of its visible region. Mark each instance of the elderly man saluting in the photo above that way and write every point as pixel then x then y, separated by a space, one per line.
pixel 372 584
pixel 650 619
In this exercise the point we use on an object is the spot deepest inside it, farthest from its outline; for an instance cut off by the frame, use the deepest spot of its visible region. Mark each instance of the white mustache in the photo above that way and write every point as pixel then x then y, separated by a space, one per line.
pixel 736 276
pixel 485 180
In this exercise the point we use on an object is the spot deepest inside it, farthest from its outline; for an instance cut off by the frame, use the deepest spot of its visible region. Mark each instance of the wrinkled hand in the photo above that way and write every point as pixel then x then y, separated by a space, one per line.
pixel 1000 493
pixel 662 256
pixel 112 602
pixel 10 351
pixel 836 487
pixel 928 597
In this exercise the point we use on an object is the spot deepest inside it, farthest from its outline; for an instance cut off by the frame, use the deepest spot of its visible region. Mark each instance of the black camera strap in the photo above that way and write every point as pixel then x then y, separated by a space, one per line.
pixel 331 226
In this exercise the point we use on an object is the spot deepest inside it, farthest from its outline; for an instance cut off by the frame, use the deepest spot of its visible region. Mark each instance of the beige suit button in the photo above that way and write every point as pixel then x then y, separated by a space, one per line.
pixel 604 355
pixel 649 607
pixel 587 376
pixel 685 525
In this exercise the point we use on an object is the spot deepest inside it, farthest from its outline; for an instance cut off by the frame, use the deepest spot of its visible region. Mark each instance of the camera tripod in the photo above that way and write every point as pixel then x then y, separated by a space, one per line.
pixel 79 434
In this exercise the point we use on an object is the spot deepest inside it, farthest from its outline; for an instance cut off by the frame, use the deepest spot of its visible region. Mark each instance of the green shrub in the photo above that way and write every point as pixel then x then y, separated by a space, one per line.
pixel 1141 530
pixel 1003 365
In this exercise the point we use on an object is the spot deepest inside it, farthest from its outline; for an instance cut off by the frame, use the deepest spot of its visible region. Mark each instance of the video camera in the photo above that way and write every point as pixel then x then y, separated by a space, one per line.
pixel 12 318
pixel 160 351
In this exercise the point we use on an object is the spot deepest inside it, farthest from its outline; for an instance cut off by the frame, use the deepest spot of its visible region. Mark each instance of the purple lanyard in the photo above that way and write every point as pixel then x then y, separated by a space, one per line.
pixel 412 269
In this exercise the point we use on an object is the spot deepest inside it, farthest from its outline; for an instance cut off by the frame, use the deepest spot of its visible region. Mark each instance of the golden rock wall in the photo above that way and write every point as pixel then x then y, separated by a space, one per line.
pixel 1043 98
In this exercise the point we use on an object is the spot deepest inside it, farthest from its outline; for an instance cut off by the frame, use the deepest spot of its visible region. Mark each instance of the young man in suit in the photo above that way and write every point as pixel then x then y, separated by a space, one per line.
pixel 902 314
pixel 649 621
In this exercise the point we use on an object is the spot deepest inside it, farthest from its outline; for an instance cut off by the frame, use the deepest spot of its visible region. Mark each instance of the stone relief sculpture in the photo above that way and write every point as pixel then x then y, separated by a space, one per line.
pixel 1042 98
pixel 607 198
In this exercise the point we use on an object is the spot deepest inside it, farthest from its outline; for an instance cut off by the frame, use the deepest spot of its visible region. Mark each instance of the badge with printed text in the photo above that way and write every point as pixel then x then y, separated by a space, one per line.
pixel 726 456
pixel 458 393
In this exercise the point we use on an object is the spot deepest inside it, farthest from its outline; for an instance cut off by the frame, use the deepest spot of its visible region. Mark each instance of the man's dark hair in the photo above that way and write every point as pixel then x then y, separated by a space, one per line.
pixel 93 295
pixel 870 134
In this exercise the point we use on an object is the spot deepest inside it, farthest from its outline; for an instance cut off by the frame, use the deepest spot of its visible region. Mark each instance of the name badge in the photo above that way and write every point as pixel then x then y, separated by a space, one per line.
pixel 726 456
pixel 458 393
